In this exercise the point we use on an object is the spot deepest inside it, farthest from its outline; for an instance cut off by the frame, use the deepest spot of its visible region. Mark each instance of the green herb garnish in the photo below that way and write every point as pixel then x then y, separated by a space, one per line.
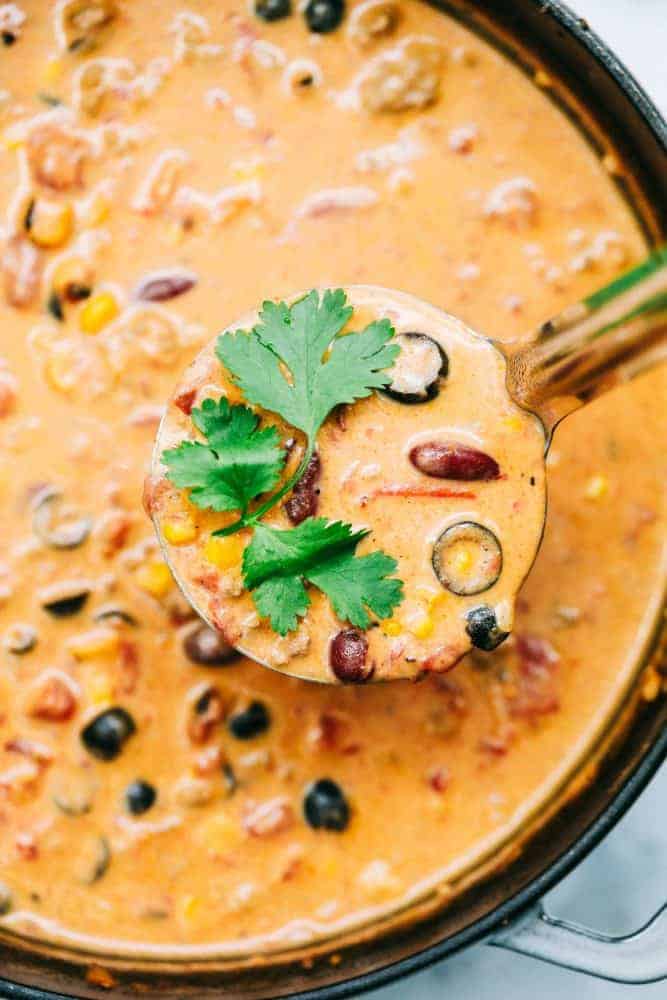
pixel 297 364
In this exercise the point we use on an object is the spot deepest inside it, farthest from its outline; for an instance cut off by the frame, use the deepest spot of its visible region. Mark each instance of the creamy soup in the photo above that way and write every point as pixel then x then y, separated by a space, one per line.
pixel 442 469
pixel 164 169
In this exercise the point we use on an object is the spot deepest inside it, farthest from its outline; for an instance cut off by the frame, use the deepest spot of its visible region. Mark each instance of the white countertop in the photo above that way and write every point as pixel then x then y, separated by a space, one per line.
pixel 624 880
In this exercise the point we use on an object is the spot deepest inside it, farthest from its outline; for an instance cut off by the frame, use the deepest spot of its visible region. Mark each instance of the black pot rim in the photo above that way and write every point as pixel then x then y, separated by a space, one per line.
pixel 564 18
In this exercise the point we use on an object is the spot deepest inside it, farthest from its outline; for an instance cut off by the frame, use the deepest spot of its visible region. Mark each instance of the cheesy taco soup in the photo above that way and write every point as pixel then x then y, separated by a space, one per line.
pixel 165 169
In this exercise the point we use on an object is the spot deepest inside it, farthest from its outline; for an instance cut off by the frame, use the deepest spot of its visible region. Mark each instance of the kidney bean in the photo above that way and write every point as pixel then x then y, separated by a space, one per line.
pixel 208 647
pixel 53 700
pixel 347 657
pixel 163 285
pixel 453 461
pixel 304 499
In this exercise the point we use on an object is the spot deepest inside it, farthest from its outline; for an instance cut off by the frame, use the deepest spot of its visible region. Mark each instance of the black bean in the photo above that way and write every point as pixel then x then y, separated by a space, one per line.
pixel 273 10
pixel 323 16
pixel 55 307
pixel 164 285
pixel 419 369
pixel 325 806
pixel 347 657
pixel 65 607
pixel 250 722
pixel 305 495
pixel 483 628
pixel 105 736
pixel 208 647
pixel 20 639
pixel 116 615
pixel 139 796
pixel 57 523
pixel 8 38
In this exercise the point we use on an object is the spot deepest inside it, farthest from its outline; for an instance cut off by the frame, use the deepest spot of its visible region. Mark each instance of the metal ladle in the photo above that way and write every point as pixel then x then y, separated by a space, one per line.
pixel 603 341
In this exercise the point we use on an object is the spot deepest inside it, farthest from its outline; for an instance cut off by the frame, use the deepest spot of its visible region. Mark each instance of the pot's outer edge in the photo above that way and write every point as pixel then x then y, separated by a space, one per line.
pixel 644 762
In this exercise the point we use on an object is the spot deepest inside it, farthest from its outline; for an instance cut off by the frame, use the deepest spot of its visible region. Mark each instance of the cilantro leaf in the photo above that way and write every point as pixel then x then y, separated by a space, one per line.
pixel 297 338
pixel 276 563
pixel 283 600
pixel 239 461
pixel 354 583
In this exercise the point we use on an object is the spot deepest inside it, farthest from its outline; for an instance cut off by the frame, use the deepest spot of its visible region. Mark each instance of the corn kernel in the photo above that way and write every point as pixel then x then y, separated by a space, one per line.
pixel 391 627
pixel 224 552
pixel 596 488
pixel 50 224
pixel 154 578
pixel 432 598
pixel 462 560
pixel 422 627
pixel 96 211
pixel 513 422
pixel 220 833
pixel 174 234
pixel 248 170
pixel 329 867
pixel 98 311
pixel 52 72
pixel 180 532
pixel 189 906
pixel 71 273
pixel 97 642
pixel 99 688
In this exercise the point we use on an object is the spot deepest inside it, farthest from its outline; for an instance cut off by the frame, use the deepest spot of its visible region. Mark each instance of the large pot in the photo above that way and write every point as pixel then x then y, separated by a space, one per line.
pixel 502 906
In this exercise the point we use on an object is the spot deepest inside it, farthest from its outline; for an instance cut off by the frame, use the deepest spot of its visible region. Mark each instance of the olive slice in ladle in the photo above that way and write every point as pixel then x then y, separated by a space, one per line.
pixel 418 370
pixel 57 523
pixel 467 558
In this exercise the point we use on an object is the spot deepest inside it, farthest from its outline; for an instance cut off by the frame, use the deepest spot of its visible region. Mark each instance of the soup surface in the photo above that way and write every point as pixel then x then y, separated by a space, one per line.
pixel 163 170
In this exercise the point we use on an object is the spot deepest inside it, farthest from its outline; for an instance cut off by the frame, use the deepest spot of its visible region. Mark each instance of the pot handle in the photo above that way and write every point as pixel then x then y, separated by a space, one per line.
pixel 640 957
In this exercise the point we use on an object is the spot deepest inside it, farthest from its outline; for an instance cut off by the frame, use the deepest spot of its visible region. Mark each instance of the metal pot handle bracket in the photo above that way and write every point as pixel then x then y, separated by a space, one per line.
pixel 640 957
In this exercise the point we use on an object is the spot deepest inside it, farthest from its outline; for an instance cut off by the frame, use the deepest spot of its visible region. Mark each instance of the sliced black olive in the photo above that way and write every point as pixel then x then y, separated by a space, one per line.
pixel 323 16
pixel 8 38
pixel 19 639
pixel 66 605
pixel 55 307
pixel 56 523
pixel 467 558
pixel 112 613
pixel 483 628
pixel 273 10
pixel 208 647
pixel 325 806
pixel 250 722
pixel 74 792
pixel 93 859
pixel 418 370
pixel 105 736
pixel 139 796
pixel 347 656
pixel 5 899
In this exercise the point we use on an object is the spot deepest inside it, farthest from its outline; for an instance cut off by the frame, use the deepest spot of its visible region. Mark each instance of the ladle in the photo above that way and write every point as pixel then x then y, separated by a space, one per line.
pixel 610 337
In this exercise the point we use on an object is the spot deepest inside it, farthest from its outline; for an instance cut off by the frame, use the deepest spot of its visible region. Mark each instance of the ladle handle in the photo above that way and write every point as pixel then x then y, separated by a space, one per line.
pixel 608 338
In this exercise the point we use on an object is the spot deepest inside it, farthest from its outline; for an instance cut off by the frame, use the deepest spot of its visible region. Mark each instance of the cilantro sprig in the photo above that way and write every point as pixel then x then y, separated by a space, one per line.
pixel 298 364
